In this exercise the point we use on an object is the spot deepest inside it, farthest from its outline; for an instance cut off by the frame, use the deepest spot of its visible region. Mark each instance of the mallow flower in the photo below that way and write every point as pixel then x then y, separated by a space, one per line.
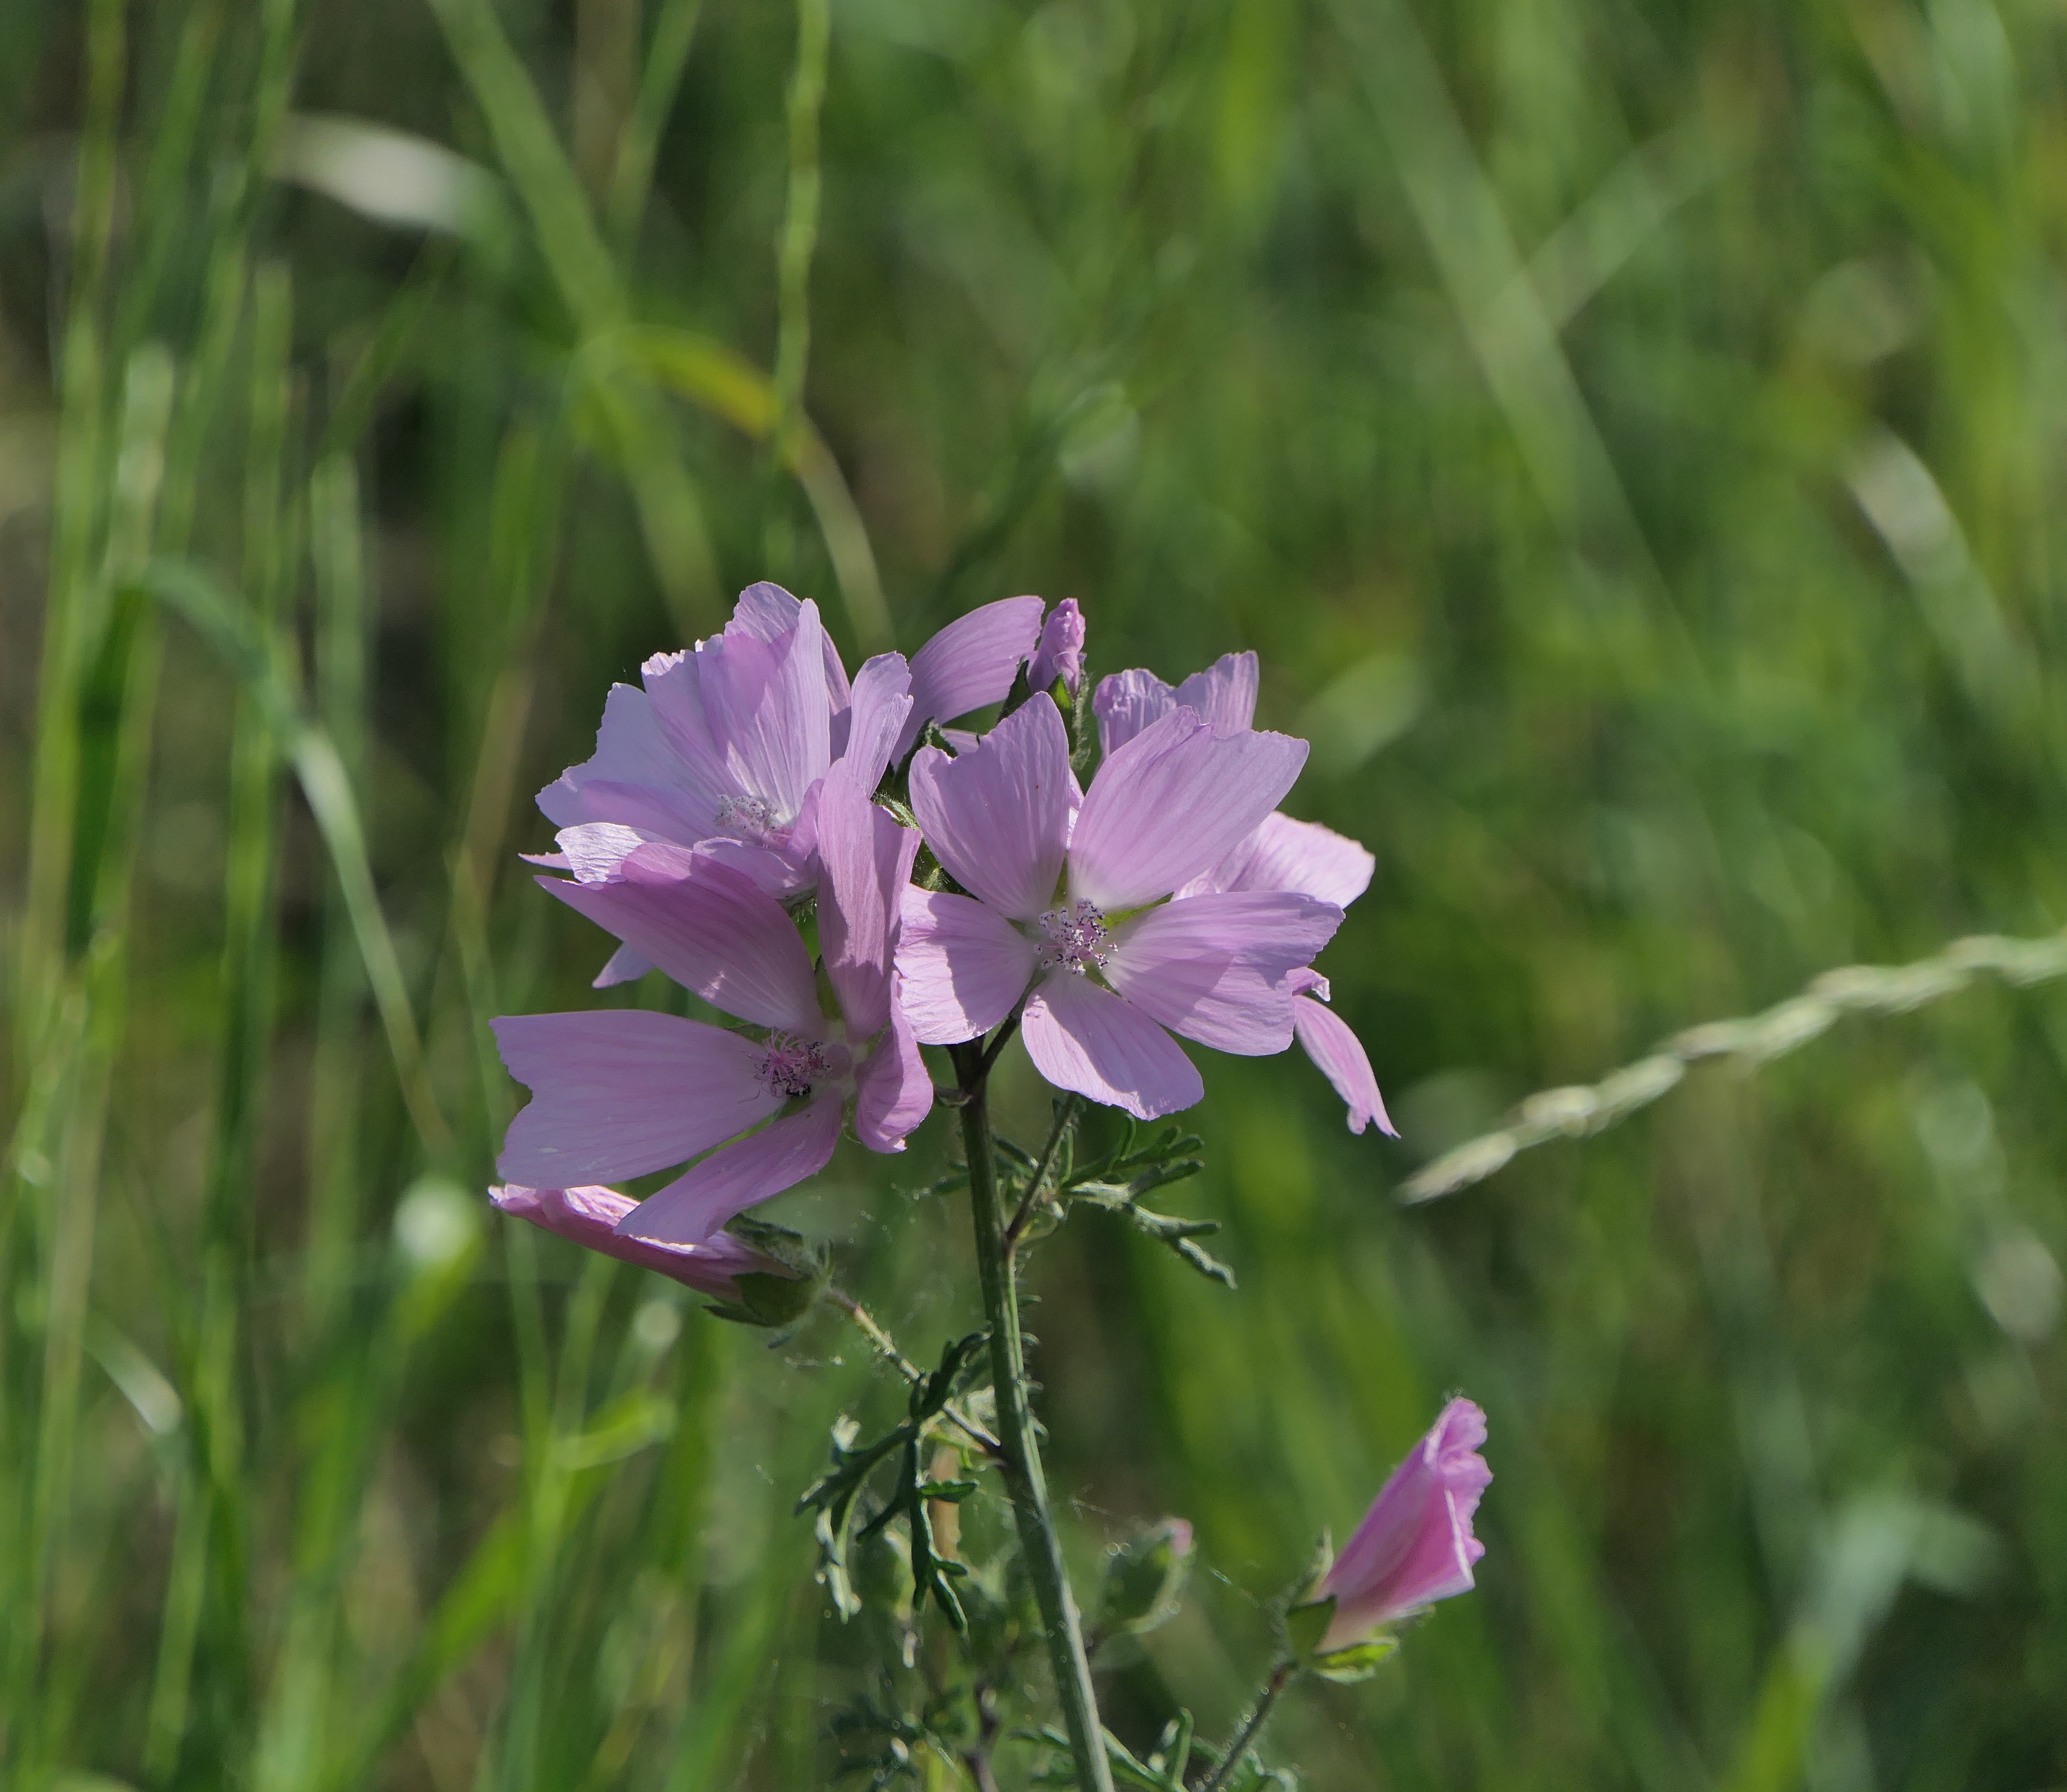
pixel 618 1093
pixel 1282 854
pixel 1414 1546
pixel 971 663
pixel 722 748
pixel 1066 907
pixel 589 1217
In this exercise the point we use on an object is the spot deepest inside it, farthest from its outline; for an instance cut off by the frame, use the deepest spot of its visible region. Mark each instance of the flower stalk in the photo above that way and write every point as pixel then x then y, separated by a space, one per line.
pixel 1266 1701
pixel 1038 1541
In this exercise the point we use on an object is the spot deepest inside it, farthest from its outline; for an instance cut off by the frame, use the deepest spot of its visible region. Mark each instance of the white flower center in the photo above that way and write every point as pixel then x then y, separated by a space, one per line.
pixel 792 1067
pixel 1073 937
pixel 748 817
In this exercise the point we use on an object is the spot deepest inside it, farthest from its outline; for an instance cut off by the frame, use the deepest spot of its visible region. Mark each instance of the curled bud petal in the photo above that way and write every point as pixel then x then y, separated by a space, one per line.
pixel 1061 652
pixel 1414 1546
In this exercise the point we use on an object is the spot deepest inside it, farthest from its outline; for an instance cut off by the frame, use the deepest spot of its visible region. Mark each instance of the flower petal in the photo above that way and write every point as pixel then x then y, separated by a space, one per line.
pixel 1223 695
pixel 1213 967
pixel 893 1091
pixel 1169 803
pixel 1283 854
pixel 999 818
pixel 625 966
pixel 617 1092
pixel 674 685
pixel 1082 1038
pixel 768 612
pixel 592 850
pixel 1341 1059
pixel 633 752
pixel 882 702
pixel 588 1215
pixel 866 859
pixel 692 1207
pixel 970 664
pixel 962 967
pixel 711 930
pixel 769 710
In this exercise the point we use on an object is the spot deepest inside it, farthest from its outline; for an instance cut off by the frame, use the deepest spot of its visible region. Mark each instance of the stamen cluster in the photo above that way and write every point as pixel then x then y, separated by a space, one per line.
pixel 748 817
pixel 793 1067
pixel 1073 937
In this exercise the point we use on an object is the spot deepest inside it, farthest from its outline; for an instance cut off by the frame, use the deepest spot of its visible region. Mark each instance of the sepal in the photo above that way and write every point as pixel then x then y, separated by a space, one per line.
pixel 1359 1661
pixel 766 1299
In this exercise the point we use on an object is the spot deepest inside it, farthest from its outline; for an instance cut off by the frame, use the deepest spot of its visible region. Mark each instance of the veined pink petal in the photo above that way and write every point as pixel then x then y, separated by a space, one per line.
pixel 769 711
pixel 892 1090
pixel 776 870
pixel 1082 1038
pixel 1341 1059
pixel 963 966
pixel 588 1215
pixel 617 1092
pixel 592 850
pixel 709 929
pixel 692 1207
pixel 1223 695
pixel 625 966
pixel 1061 652
pixel 999 818
pixel 970 664
pixel 882 702
pixel 674 685
pixel 661 811
pixel 867 857
pixel 634 752
pixel 1414 1546
pixel 1283 854
pixel 767 612
pixel 1213 967
pixel 1169 803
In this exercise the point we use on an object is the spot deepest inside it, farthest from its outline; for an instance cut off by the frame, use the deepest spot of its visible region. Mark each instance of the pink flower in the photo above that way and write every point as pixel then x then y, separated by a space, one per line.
pixel 1061 652
pixel 618 1093
pixel 1065 901
pixel 722 750
pixel 1282 854
pixel 972 663
pixel 1414 1546
pixel 589 1217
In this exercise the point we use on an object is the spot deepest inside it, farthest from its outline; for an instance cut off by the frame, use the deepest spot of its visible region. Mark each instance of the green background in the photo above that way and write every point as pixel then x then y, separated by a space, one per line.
pixel 1631 437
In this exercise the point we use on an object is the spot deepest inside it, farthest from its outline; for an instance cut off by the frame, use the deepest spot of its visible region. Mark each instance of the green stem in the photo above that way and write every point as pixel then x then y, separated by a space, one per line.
pixel 1065 1113
pixel 1038 1541
pixel 1280 1677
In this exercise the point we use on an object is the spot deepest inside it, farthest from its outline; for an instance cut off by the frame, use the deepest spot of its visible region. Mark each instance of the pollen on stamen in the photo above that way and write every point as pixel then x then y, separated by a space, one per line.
pixel 748 817
pixel 792 1067
pixel 1073 937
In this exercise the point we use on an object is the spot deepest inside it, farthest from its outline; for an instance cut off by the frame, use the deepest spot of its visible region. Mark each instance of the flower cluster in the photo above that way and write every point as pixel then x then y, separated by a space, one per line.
pixel 743 828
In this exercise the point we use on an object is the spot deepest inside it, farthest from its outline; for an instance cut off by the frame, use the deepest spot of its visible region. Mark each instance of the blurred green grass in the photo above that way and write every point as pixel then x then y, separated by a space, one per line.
pixel 1632 436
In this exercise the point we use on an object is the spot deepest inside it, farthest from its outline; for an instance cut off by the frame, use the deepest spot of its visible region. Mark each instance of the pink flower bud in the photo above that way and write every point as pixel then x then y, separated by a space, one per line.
pixel 589 1217
pixel 1061 652
pixel 1414 1546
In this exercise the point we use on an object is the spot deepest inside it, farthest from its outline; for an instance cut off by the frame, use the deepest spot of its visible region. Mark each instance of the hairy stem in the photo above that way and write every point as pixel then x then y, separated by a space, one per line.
pixel 1280 1677
pixel 1065 1114
pixel 1038 1541
pixel 886 1348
